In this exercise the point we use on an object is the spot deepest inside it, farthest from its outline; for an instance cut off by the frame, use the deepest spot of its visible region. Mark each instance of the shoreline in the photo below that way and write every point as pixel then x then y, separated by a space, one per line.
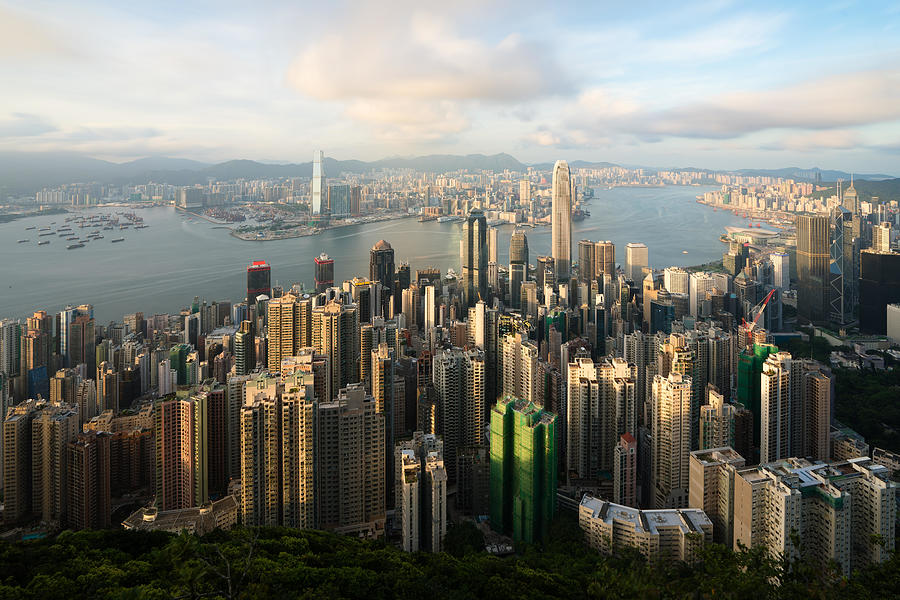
pixel 293 233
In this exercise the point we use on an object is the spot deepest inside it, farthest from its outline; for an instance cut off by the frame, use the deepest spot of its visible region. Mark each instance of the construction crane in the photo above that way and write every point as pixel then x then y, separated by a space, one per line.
pixel 759 308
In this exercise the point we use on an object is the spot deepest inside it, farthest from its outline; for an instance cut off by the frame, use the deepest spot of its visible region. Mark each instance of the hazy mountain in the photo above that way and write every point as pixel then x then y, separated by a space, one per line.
pixel 886 189
pixel 810 174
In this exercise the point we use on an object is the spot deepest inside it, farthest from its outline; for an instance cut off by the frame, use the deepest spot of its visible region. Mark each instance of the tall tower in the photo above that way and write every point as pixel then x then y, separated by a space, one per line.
pixel 317 186
pixel 604 259
pixel 473 256
pixel 636 258
pixel 671 435
pixel 381 270
pixel 561 221
pixel 518 266
pixel 324 272
pixel 523 469
pixel 259 281
pixel 813 258
pixel 586 260
pixel 335 333
pixel 459 380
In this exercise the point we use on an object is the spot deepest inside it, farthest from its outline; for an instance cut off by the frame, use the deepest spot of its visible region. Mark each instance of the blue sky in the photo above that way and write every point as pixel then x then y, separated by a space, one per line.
pixel 712 84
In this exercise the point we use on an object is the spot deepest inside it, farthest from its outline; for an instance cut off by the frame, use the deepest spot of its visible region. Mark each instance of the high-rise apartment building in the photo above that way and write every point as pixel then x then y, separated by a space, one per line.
pixel 881 237
pixel 17 459
pixel 660 536
pixel 625 471
pixel 181 452
pixel 459 380
pixel 52 428
pixel 88 486
pixel 716 421
pixel 421 493
pixel 712 473
pixel 523 469
pixel 813 259
pixel 637 257
pixel 290 328
pixel 335 334
pixel 519 375
pixel 561 221
pixel 277 421
pixel 670 428
pixel 350 475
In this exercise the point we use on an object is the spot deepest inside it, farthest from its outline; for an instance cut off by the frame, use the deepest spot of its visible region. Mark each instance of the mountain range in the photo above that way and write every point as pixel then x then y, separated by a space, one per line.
pixel 25 173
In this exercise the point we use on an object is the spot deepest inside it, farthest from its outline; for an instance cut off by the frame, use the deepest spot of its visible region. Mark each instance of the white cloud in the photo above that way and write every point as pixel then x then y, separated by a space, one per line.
pixel 19 125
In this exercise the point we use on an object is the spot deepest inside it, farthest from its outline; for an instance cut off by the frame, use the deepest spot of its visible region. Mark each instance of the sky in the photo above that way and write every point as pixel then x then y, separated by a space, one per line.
pixel 717 84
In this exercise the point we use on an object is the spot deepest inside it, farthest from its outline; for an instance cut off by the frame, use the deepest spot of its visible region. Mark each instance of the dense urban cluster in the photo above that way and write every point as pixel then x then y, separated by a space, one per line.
pixel 662 409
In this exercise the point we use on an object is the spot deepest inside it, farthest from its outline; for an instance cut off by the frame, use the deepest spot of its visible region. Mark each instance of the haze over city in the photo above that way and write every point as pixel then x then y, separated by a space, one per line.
pixel 696 84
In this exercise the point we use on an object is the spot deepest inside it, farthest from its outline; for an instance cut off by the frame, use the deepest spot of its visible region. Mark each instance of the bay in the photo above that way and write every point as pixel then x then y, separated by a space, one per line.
pixel 160 269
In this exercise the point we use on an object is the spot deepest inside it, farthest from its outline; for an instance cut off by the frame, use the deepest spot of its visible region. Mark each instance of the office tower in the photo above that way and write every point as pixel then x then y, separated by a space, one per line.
pixel 181 452
pixel 277 452
pixel 716 421
pixel 604 259
pixel 381 270
pixel 813 258
pixel 781 270
pixel 339 200
pixel 244 346
pixel 518 266
pixel 841 278
pixel 335 334
pixel 493 234
pixel 421 492
pixel 518 370
pixel 317 184
pixel 848 508
pixel 676 280
pixel 259 281
pixel 430 310
pixel 586 261
pixel 671 434
pixel 459 380
pixel 561 221
pixel 350 475
pixel 660 536
pixel 290 328
pixel 881 237
pixel 879 285
pixel 712 488
pixel 524 191
pixel 324 277
pixel 88 487
pixel 474 258
pixel 600 408
pixel 625 473
pixel 544 272
pixel 52 429
pixel 636 258
pixel 401 283
pixel 17 451
pixel 523 469
pixel 699 285
pixel 850 199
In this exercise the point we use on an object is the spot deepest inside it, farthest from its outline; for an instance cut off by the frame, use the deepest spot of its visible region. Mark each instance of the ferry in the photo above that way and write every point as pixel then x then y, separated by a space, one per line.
pixel 73 246
pixel 74 238
pixel 118 240
pixel 29 228
pixel 43 243
pixel 23 241
pixel 46 233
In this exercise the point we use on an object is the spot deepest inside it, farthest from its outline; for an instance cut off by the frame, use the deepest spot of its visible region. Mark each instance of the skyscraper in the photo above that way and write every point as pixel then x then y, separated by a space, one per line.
pixel 604 259
pixel 523 469
pixel 181 452
pixel 473 256
pixel 339 200
pixel 813 258
pixel 518 266
pixel 324 272
pixel 459 379
pixel 879 285
pixel 625 471
pixel 636 258
pixel 381 270
pixel 317 185
pixel 335 334
pixel 259 281
pixel 421 492
pixel 586 261
pixel 671 434
pixel 290 328
pixel 561 221
pixel 350 476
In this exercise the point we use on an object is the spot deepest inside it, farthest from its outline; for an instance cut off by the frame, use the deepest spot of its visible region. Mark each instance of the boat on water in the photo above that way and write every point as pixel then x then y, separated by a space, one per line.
pixel 23 241
pixel 118 240
pixel 72 239
pixel 684 251
pixel 73 246
pixel 29 228
pixel 43 243
pixel 46 233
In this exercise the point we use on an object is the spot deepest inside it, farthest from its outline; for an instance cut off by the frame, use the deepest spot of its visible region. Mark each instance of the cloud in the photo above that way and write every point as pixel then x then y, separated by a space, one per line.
pixel 823 105
pixel 414 74
pixel 23 37
pixel 24 125
pixel 812 141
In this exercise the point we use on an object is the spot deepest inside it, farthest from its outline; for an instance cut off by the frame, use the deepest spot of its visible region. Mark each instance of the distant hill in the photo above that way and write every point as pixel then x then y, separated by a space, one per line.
pixel 888 189
pixel 810 174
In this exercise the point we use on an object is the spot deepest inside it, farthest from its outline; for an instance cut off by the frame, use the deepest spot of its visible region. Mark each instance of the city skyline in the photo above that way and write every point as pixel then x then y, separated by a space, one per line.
pixel 634 86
